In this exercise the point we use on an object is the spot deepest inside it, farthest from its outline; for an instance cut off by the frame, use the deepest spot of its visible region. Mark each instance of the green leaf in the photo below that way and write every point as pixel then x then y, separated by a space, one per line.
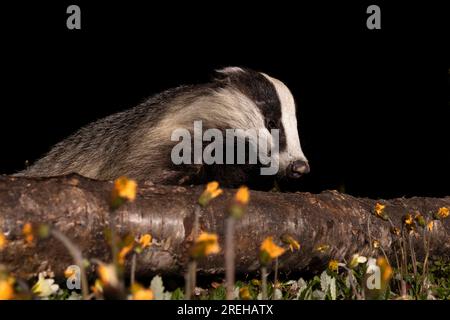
pixel 178 294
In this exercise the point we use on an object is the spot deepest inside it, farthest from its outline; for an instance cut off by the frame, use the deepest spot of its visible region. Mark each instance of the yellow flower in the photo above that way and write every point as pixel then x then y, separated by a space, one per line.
pixel 212 191
pixel 386 269
pixel 242 195
pixel 27 228
pixel 211 241
pixel 145 241
pixel 395 231
pixel 379 211
pixel 379 208
pixel 239 205
pixel 376 244
pixel 3 241
pixel 140 293
pixel 244 293
pixel 124 252
pixel 27 231
pixel 333 265
pixel 443 213
pixel 322 248
pixel 430 225
pixel 293 244
pixel 97 288
pixel 125 189
pixel 205 245
pixel 69 272
pixel 143 294
pixel 7 288
pixel 408 219
pixel 269 250
pixel 108 275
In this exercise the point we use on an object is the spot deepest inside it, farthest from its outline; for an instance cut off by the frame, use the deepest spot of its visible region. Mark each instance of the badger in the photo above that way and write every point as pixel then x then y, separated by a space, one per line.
pixel 137 142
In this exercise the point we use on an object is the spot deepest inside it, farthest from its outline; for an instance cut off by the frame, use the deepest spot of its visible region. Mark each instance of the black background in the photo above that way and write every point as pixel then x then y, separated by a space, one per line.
pixel 373 105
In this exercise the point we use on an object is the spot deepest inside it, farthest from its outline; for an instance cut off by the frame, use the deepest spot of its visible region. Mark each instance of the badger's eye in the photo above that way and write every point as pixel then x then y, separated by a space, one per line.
pixel 271 125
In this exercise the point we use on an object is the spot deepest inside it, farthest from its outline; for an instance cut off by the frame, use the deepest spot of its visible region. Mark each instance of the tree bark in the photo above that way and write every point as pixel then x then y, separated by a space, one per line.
pixel 79 208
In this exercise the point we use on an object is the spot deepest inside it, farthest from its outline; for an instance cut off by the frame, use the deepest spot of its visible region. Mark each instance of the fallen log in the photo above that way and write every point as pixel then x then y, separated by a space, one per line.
pixel 79 208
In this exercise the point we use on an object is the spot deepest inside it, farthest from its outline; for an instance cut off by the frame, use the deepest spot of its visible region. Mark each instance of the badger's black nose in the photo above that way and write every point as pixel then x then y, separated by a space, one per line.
pixel 298 168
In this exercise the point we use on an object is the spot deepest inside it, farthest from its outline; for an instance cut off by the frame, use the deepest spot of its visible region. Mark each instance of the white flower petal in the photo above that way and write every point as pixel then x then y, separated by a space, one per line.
pixel 362 259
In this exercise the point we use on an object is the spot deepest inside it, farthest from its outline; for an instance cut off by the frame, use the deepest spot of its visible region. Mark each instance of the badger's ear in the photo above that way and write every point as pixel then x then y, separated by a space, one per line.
pixel 228 72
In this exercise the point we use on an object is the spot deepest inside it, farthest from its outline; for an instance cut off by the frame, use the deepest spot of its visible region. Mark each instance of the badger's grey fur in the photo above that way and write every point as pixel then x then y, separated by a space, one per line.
pixel 136 142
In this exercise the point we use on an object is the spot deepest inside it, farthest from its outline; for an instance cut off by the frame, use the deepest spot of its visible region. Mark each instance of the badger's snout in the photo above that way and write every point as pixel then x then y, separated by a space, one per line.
pixel 297 168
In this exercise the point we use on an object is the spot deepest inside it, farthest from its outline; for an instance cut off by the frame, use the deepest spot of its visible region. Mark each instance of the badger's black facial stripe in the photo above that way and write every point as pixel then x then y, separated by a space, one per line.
pixel 260 90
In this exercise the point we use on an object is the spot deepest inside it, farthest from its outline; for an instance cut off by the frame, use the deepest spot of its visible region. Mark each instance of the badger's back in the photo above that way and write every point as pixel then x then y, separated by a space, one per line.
pixel 107 148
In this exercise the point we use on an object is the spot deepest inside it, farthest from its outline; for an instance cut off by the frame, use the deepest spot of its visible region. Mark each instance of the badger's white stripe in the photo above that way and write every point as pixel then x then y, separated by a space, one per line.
pixel 227 108
pixel 289 121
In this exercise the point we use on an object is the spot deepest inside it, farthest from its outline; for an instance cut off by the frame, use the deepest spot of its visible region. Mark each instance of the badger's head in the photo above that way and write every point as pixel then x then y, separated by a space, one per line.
pixel 241 101
pixel 247 99
pixel 265 103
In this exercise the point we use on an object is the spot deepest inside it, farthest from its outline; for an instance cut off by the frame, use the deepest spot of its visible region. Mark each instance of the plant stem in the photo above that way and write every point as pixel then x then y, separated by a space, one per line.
pixel 427 253
pixel 385 255
pixel 404 252
pixel 196 227
pixel 133 269
pixel 275 278
pixel 368 231
pixel 413 256
pixel 264 282
pixel 352 284
pixel 112 229
pixel 193 276
pixel 229 257
pixel 398 267
pixel 77 257
pixel 403 288
pixel 114 252
pixel 196 232
pixel 189 285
